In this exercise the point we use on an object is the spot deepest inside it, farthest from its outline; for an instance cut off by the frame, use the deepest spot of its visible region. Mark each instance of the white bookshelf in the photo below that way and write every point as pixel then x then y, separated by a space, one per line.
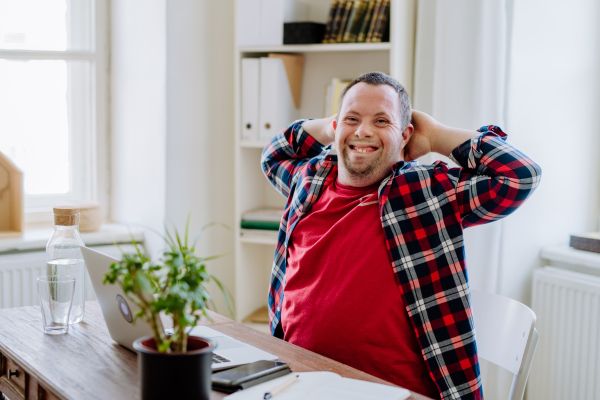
pixel 254 253
pixel 311 48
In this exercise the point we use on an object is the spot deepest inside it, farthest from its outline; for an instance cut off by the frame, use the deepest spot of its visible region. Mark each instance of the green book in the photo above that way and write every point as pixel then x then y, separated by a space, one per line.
pixel 337 19
pixel 373 20
pixel 332 11
pixel 382 22
pixel 354 21
pixel 344 21
pixel 262 225
pixel 366 22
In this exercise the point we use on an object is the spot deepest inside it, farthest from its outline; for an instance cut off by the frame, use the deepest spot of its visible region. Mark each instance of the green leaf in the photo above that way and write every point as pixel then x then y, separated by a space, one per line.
pixel 173 285
pixel 199 233
pixel 187 225
pixel 170 240
pixel 220 285
pixel 143 283
pixel 217 256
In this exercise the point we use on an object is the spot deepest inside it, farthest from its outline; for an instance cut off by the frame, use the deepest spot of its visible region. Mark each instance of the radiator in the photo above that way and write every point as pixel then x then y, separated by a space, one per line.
pixel 18 274
pixel 567 360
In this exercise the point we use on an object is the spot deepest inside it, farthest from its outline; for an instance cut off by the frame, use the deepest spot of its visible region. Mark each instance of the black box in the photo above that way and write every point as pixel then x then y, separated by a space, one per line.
pixel 303 32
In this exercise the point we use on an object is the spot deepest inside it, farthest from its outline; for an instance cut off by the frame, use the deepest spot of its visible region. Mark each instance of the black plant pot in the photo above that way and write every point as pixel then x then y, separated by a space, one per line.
pixel 175 375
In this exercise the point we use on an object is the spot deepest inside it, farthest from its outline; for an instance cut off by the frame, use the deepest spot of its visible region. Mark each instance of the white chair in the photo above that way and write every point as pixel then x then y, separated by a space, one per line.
pixel 506 336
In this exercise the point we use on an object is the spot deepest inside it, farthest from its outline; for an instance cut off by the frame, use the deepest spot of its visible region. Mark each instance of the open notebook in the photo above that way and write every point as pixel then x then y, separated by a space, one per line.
pixel 323 386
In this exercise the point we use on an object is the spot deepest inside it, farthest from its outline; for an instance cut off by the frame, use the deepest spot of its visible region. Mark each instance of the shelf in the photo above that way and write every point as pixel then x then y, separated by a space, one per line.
pixel 565 257
pixel 257 238
pixel 36 239
pixel 322 63
pixel 253 144
pixel 310 48
pixel 569 255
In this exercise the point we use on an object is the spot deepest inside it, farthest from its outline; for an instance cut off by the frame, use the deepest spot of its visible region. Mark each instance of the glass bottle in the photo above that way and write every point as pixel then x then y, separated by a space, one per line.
pixel 63 255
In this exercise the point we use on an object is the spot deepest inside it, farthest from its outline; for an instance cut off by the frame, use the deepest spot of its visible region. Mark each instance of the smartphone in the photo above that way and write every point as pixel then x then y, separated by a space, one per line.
pixel 244 373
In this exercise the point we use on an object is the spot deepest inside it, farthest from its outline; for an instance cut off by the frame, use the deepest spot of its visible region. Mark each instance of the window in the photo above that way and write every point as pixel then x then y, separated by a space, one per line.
pixel 53 87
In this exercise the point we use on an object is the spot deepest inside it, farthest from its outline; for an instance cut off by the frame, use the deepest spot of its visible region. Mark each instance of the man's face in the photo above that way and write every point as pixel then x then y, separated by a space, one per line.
pixel 368 135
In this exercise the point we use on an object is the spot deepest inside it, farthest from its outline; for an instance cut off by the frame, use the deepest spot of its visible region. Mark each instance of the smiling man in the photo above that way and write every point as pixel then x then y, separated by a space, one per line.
pixel 369 268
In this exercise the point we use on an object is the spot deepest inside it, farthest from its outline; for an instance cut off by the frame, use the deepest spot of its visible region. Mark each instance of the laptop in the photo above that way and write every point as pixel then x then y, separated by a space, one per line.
pixel 118 313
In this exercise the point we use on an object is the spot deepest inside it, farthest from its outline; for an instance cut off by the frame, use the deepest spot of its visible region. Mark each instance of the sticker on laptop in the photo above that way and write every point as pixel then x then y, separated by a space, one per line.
pixel 124 308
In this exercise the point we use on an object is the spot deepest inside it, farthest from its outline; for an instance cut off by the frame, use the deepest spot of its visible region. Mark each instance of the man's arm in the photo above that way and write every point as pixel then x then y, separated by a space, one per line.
pixel 321 129
pixel 291 149
pixel 495 179
pixel 429 136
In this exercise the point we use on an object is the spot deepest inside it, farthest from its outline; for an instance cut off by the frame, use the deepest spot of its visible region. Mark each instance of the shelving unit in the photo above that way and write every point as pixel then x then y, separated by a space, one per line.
pixel 254 253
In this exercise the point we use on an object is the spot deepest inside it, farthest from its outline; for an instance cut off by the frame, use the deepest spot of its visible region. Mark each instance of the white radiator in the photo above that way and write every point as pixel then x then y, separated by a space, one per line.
pixel 18 274
pixel 567 360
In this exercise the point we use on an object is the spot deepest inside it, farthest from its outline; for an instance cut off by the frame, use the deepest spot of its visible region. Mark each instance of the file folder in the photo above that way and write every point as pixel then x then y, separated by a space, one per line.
pixel 250 98
pixel 276 107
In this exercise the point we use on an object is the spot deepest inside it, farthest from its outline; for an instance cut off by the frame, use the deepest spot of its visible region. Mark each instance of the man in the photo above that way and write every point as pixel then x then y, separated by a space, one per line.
pixel 369 269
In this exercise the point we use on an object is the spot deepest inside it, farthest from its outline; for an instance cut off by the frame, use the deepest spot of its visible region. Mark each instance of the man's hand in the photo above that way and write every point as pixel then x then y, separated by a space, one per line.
pixel 431 136
pixel 321 129
pixel 420 142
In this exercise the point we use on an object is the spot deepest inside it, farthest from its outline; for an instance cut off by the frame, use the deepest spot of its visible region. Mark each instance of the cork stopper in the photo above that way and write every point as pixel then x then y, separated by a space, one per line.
pixel 66 215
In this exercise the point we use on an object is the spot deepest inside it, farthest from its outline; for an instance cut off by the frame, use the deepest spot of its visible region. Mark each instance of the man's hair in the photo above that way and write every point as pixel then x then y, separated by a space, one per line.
pixel 379 78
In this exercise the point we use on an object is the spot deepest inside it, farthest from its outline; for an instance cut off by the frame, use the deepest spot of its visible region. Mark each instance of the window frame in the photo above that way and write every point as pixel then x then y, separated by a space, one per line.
pixel 94 181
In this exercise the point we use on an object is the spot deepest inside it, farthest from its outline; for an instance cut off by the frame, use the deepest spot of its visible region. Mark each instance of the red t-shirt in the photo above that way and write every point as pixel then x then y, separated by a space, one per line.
pixel 341 298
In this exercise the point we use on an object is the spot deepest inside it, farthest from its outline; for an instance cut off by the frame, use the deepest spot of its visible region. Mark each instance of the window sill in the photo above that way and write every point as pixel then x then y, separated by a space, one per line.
pixel 35 239
pixel 566 257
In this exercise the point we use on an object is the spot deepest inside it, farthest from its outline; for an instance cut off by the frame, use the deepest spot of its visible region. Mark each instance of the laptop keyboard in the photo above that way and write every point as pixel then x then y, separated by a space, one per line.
pixel 216 359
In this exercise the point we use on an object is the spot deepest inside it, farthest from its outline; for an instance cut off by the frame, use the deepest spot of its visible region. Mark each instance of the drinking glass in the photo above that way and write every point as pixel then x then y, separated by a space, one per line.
pixel 56 297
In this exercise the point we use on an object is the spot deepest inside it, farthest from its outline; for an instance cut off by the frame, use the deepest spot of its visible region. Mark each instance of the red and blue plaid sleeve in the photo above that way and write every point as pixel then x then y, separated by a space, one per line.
pixel 287 153
pixel 495 179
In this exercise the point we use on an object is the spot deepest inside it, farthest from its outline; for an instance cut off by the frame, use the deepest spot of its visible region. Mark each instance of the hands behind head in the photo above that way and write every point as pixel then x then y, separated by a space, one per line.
pixel 422 141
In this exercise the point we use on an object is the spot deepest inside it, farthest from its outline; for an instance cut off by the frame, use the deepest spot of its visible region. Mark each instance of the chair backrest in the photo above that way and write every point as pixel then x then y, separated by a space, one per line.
pixel 506 335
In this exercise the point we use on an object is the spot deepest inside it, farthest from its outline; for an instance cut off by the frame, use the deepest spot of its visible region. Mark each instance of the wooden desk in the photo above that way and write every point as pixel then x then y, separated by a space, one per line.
pixel 87 364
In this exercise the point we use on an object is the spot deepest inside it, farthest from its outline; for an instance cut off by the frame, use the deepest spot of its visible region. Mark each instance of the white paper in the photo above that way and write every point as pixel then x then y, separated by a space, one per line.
pixel 321 386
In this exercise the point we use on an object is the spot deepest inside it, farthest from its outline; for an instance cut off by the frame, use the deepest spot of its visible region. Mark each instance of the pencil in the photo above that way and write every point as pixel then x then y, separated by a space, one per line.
pixel 284 385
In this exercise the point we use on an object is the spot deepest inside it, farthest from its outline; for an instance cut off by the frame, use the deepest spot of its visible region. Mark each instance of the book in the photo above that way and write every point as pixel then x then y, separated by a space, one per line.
pixel 373 20
pixel 327 101
pixel 261 225
pixel 323 385
pixel 382 21
pixel 337 86
pixel 263 233
pixel 586 241
pixel 344 21
pixel 332 11
pixel 337 19
pixel 262 219
pixel 354 21
pixel 270 214
pixel 366 22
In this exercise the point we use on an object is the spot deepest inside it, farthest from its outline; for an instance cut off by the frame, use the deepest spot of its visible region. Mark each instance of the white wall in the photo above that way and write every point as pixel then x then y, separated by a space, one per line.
pixel 553 112
pixel 138 108
pixel 200 177
pixel 172 125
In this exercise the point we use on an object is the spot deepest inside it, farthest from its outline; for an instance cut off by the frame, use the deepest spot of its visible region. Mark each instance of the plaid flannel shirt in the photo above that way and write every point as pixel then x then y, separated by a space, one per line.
pixel 423 212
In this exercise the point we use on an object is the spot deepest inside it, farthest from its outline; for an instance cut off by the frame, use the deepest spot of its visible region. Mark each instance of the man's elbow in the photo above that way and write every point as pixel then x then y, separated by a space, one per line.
pixel 527 181
pixel 536 176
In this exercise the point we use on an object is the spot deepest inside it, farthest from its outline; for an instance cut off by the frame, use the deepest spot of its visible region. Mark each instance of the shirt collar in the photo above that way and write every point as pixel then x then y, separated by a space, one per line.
pixel 403 166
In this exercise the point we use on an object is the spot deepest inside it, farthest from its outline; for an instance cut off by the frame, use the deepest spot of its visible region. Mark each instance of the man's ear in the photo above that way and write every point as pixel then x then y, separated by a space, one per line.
pixel 407 133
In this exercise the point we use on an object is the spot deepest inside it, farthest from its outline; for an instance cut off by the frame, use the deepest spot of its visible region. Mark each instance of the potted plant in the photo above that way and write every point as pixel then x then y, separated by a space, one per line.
pixel 176 365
